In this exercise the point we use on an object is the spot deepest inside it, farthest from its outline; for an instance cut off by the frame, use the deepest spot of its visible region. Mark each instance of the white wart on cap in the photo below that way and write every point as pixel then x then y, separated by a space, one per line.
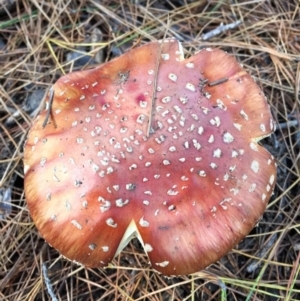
pixel 190 185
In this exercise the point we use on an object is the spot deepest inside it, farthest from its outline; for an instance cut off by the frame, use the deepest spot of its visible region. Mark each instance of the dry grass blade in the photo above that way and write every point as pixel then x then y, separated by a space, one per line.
pixel 41 40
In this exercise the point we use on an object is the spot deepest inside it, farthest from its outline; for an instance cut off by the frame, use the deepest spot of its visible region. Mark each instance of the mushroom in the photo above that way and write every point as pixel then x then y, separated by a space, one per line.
pixel 153 146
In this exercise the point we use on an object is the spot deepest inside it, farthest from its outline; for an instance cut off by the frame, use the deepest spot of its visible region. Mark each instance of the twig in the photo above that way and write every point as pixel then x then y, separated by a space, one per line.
pixel 51 97
pixel 5 202
pixel 218 81
pixel 48 283
pixel 288 124
pixel 221 28
pixel 155 79
pixel 261 254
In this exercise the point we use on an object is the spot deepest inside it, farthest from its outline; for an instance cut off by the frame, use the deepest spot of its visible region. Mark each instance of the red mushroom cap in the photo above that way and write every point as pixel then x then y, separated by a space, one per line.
pixel 190 185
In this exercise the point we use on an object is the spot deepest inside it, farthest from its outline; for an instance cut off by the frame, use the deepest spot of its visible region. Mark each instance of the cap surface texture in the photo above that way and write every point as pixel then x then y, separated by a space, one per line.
pixel 155 146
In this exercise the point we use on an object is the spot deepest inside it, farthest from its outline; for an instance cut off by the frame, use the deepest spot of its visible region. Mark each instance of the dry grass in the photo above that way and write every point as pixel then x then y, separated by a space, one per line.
pixel 35 38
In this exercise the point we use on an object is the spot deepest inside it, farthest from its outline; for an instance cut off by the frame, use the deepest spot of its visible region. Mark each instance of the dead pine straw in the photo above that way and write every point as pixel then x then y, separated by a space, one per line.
pixel 41 40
